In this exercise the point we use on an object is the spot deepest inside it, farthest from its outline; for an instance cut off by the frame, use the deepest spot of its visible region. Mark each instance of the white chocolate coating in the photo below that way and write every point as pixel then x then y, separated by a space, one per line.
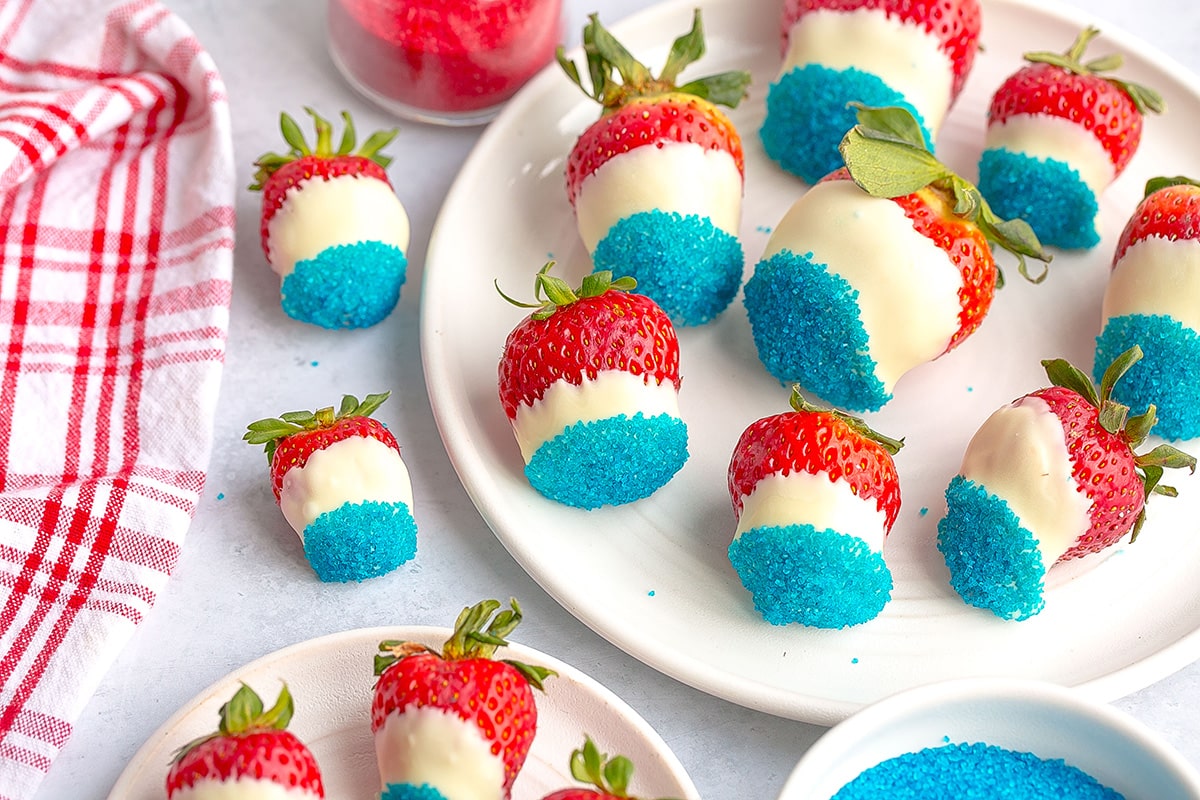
pixel 354 470
pixel 242 789
pixel 1157 276
pixel 906 57
pixel 1043 136
pixel 318 214
pixel 676 176
pixel 1020 455
pixel 907 285
pixel 427 745
pixel 613 392
pixel 801 497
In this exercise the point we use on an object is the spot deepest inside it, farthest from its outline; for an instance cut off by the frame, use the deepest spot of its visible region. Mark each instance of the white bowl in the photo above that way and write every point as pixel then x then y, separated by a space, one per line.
pixel 1045 719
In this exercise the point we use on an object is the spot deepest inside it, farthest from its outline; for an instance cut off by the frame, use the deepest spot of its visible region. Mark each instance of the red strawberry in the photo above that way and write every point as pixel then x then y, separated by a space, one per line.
pixel 1052 476
pixel 1053 182
pixel 353 507
pixel 606 779
pixel 656 183
pixel 332 227
pixel 582 445
pixel 489 703
pixel 250 746
pixel 1169 210
pixel 815 493
pixel 861 286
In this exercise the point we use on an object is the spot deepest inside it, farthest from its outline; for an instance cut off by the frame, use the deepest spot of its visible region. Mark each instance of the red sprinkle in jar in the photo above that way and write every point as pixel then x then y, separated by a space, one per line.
pixel 452 62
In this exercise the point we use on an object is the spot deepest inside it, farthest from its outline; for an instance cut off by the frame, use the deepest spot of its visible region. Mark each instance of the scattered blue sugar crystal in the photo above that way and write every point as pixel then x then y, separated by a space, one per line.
pixel 687 265
pixel 819 578
pixel 994 562
pixel 357 541
pixel 1168 375
pixel 346 286
pixel 609 461
pixel 807 327
pixel 408 791
pixel 1047 193
pixel 965 770
pixel 808 114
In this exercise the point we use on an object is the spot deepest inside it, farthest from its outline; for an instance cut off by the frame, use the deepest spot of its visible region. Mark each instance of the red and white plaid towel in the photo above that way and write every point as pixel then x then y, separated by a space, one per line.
pixel 116 240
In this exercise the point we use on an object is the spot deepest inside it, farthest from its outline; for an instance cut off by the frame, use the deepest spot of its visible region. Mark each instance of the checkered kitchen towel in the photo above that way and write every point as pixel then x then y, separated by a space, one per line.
pixel 116 240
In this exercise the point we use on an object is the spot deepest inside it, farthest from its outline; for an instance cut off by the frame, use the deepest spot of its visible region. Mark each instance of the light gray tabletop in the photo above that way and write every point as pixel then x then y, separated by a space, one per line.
pixel 242 588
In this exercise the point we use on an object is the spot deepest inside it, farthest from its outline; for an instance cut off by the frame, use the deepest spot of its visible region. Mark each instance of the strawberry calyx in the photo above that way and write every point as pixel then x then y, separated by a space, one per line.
pixel 605 55
pixel 470 639
pixel 551 293
pixel 269 163
pixel 1114 418
pixel 270 431
pixel 1163 182
pixel 244 713
pixel 886 155
pixel 1144 98
pixel 856 424
pixel 610 776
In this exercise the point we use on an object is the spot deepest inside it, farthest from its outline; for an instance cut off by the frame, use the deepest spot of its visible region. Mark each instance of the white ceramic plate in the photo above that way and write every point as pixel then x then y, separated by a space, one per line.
pixel 331 681
pixel 653 576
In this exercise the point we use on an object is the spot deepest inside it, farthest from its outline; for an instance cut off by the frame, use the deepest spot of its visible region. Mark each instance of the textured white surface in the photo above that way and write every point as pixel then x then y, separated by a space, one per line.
pixel 243 588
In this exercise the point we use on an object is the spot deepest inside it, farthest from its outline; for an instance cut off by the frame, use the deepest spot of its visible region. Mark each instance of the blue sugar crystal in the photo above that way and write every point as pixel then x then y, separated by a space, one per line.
pixel 994 562
pixel 357 541
pixel 609 461
pixel 1047 193
pixel 819 578
pixel 687 265
pixel 408 791
pixel 347 286
pixel 966 770
pixel 1167 376
pixel 807 328
pixel 807 116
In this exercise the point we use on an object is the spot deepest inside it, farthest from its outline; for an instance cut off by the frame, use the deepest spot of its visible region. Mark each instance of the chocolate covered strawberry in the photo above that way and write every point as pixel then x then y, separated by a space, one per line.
pixel 605 778
pixel 875 52
pixel 459 721
pixel 251 754
pixel 882 267
pixel 1049 477
pixel 657 182
pixel 1059 131
pixel 815 493
pixel 1153 299
pixel 590 382
pixel 332 228
pixel 342 485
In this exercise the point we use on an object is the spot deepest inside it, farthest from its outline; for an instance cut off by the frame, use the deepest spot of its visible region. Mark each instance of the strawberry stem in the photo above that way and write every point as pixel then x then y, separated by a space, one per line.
pixel 551 293
pixel 269 431
pixel 1144 98
pixel 269 163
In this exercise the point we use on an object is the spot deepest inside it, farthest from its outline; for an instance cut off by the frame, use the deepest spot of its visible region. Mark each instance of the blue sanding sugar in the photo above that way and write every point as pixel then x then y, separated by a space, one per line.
pixel 687 265
pixel 360 540
pixel 347 286
pixel 1045 192
pixel 807 328
pixel 408 791
pixel 609 461
pixel 819 578
pixel 1167 376
pixel 807 116
pixel 994 562
pixel 965 770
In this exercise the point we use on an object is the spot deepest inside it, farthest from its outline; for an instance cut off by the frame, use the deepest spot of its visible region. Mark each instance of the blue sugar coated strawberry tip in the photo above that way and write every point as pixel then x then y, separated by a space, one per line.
pixel 358 541
pixel 818 578
pixel 1168 374
pixel 347 286
pixel 963 770
pixel 609 461
pixel 687 265
pixel 1047 193
pixel 790 299
pixel 807 116
pixel 994 562
pixel 408 791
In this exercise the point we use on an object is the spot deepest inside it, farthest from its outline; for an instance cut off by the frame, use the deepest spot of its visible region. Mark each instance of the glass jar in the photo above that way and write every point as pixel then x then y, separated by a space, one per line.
pixel 452 62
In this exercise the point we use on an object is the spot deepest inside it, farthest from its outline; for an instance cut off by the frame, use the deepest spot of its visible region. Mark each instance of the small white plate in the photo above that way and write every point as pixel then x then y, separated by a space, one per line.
pixel 653 577
pixel 331 680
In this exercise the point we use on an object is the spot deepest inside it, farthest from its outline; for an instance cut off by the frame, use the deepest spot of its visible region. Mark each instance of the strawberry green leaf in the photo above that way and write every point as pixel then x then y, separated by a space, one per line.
pixel 293 135
pixel 895 122
pixel 1138 428
pixel 1112 416
pixel 886 167
pixel 1116 370
pixel 685 50
pixel 534 675
pixel 1167 457
pixel 1146 100
pixel 349 137
pixel 800 403
pixel 324 133
pixel 724 89
pixel 1156 184
pixel 551 292
pixel 1063 373
pixel 632 71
